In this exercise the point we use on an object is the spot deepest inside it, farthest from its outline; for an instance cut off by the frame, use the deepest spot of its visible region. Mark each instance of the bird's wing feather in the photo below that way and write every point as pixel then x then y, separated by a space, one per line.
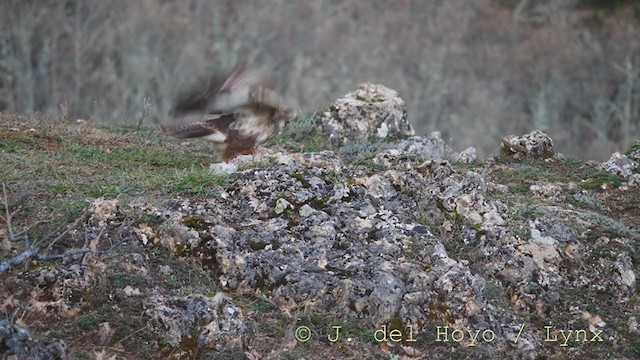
pixel 211 126
pixel 260 98
pixel 242 77
pixel 243 87
pixel 197 97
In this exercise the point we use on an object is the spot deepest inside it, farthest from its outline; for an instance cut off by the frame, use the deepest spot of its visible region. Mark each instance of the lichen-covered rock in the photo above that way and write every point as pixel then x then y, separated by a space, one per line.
pixel 371 111
pixel 215 322
pixel 421 148
pixel 465 156
pixel 17 343
pixel 621 165
pixel 549 191
pixel 428 147
pixel 535 144
pixel 322 236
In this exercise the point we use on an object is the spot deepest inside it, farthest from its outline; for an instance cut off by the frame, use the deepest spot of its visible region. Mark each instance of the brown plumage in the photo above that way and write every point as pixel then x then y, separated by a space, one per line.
pixel 237 113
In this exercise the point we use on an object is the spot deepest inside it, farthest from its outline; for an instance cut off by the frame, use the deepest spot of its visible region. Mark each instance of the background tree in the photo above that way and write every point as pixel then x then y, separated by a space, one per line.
pixel 487 67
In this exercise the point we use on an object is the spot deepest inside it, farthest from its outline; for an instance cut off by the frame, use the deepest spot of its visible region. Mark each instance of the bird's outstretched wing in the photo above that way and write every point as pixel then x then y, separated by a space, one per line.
pixel 242 77
pixel 197 97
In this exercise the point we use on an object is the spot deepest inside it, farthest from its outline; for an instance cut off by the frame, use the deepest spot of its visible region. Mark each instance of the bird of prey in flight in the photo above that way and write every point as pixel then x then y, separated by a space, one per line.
pixel 236 113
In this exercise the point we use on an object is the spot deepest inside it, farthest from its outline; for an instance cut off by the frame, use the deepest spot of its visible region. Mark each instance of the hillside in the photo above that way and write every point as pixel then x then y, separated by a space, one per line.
pixel 327 226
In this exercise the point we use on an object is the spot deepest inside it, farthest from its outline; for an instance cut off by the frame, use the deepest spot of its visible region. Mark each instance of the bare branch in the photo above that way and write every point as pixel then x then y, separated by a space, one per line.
pixel 63 255
pixel 29 253
pixel 33 252
pixel 146 106
pixel 146 103
pixel 66 231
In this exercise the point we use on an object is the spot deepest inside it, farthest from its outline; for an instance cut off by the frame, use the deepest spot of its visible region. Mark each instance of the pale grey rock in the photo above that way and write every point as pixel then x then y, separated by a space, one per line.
pixel 131 291
pixel 426 147
pixel 371 110
pixel 633 181
pixel 215 321
pixel 555 229
pixel 282 205
pixel 378 187
pixel 224 167
pixel 624 265
pixel 535 144
pixel 306 210
pixel 412 151
pixel 549 191
pixel 18 343
pixel 621 165
pixel 466 156
pixel 632 324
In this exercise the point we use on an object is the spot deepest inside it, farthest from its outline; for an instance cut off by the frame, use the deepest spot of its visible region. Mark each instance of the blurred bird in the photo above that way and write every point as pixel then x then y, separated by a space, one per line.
pixel 236 113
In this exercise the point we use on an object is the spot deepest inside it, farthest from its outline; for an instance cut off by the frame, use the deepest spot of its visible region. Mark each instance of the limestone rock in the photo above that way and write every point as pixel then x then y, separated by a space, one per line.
pixel 17 342
pixel 621 165
pixel 215 322
pixel 371 111
pixel 535 144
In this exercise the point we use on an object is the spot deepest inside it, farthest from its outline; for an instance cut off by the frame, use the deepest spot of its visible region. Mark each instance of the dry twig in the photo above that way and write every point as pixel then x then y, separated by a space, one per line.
pixel 33 251
pixel 146 106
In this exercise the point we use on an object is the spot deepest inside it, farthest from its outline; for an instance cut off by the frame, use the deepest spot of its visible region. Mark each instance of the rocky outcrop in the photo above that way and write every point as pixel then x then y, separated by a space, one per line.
pixel 322 236
pixel 371 111
pixel 535 144
pixel 623 166
pixel 500 256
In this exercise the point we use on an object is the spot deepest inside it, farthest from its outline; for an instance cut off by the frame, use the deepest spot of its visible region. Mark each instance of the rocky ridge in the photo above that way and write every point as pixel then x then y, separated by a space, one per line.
pixel 414 236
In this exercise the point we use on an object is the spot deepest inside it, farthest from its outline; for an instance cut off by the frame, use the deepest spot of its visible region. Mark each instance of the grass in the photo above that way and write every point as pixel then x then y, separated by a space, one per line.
pixel 301 135
pixel 601 180
pixel 632 149
pixel 49 166
pixel 521 174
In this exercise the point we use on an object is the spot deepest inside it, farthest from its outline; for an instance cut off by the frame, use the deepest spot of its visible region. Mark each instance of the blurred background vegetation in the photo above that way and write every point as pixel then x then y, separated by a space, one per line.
pixel 475 70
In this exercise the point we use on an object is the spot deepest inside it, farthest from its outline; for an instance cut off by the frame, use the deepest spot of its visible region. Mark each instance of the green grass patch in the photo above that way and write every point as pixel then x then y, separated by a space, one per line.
pixel 198 181
pixel 601 180
pixel 520 174
pixel 122 280
pixel 634 148
pixel 52 171
pixel 530 174
pixel 89 320
pixel 301 135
